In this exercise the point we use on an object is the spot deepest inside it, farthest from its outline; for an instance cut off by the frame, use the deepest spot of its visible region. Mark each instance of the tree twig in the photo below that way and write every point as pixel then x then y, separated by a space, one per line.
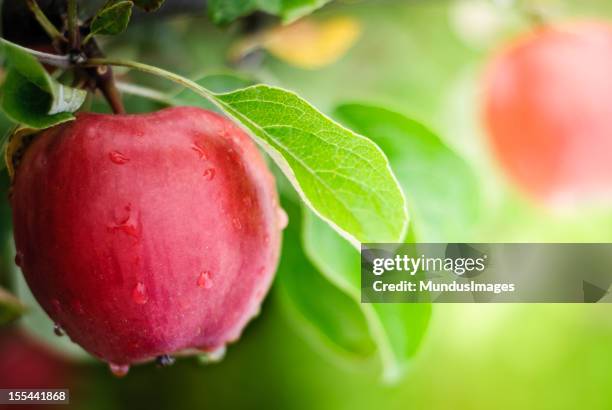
pixel 44 21
pixel 73 27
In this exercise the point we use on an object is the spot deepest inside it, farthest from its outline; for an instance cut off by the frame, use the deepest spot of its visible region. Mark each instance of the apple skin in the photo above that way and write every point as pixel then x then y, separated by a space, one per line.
pixel 25 364
pixel 146 235
pixel 548 110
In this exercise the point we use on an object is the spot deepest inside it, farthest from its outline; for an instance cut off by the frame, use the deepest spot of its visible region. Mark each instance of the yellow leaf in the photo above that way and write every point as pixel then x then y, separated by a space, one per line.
pixel 307 43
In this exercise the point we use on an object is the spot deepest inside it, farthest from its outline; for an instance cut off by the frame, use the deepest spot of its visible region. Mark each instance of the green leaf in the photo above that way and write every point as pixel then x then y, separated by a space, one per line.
pixel 112 19
pixel 397 328
pixel 331 317
pixel 226 11
pixel 442 191
pixel 10 307
pixel 344 177
pixel 149 5
pixel 30 96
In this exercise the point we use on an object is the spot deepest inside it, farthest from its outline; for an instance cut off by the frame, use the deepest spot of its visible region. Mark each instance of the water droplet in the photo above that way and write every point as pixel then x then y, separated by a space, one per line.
pixel 121 221
pixel 57 306
pixel 128 229
pixel 122 214
pixel 266 239
pixel 57 329
pixel 282 217
pixel 118 158
pixel 209 173
pixel 139 294
pixel 211 356
pixel 77 306
pixel 165 360
pixel 18 258
pixel 199 148
pixel 119 370
pixel 247 201
pixel 237 224
pixel 205 280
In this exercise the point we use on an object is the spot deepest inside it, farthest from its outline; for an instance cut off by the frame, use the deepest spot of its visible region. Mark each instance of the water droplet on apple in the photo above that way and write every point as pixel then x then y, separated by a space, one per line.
pixel 283 219
pixel 201 151
pixel 211 356
pixel 247 201
pixel 209 174
pixel 57 306
pixel 237 224
pixel 205 280
pixel 139 294
pixel 18 258
pixel 57 329
pixel 122 214
pixel 266 239
pixel 119 370
pixel 118 158
pixel 77 306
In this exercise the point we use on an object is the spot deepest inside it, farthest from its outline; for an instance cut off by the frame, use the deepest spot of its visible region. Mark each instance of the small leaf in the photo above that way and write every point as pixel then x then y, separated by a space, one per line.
pixel 333 318
pixel 112 19
pixel 226 11
pixel 30 96
pixel 149 5
pixel 10 307
pixel 442 191
pixel 397 328
pixel 344 177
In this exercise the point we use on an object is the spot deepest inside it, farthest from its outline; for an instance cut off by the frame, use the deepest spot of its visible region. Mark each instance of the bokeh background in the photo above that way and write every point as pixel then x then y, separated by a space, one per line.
pixel 421 58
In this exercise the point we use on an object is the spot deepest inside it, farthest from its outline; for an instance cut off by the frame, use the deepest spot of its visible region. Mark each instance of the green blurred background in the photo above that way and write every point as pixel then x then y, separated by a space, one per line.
pixel 422 59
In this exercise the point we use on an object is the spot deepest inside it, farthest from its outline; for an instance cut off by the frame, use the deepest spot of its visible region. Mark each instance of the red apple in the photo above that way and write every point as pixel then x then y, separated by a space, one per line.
pixel 25 364
pixel 548 110
pixel 147 235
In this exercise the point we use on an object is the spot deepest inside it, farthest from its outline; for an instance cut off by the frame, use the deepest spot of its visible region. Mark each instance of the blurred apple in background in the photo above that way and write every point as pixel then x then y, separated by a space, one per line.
pixel 548 110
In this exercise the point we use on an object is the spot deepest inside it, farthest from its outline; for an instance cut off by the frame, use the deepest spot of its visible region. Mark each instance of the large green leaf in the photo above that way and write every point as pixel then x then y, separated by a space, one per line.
pixel 442 191
pixel 30 96
pixel 225 11
pixel 397 328
pixel 332 316
pixel 344 177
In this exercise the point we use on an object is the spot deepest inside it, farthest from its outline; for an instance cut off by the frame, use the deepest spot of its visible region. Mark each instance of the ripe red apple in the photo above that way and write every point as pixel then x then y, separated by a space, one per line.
pixel 25 364
pixel 548 110
pixel 147 235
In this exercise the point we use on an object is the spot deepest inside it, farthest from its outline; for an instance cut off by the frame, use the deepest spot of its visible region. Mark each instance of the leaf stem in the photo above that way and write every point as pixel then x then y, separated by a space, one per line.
pixel 145 92
pixel 44 21
pixel 145 68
